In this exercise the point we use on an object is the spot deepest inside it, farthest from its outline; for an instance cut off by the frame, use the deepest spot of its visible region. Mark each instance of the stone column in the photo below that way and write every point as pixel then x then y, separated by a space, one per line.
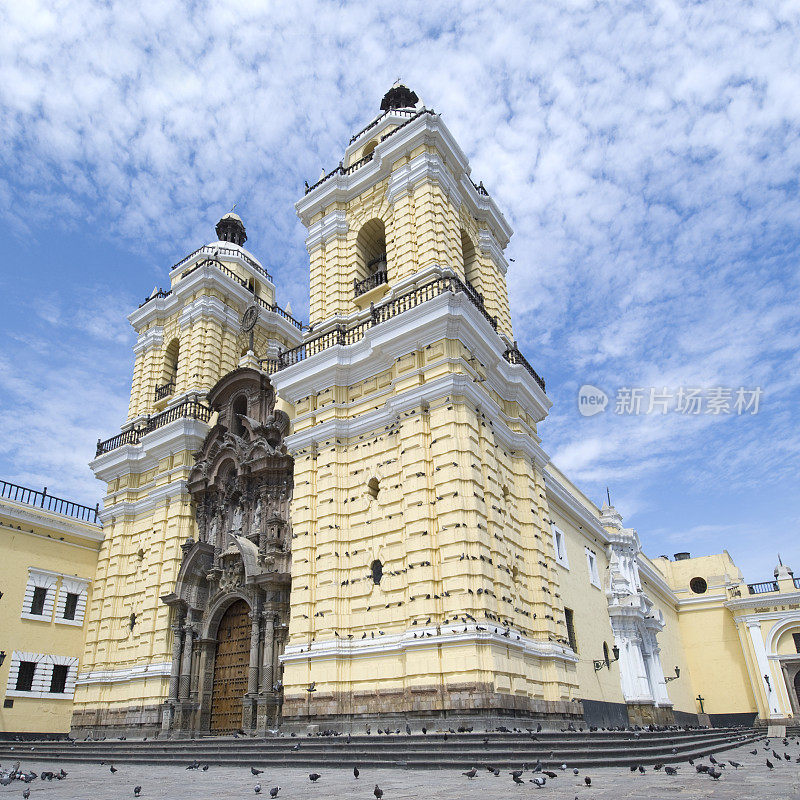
pixel 267 678
pixel 177 645
pixel 185 680
pixel 252 675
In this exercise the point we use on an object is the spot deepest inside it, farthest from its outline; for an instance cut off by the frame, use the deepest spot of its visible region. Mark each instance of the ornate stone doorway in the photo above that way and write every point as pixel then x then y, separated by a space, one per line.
pixel 231 602
pixel 230 668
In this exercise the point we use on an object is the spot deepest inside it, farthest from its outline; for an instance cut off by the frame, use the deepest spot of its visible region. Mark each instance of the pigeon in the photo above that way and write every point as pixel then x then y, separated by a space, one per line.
pixel 194 765
pixel 587 780
pixel 254 771
pixel 205 767
pixel 641 769
pixel 273 792
pixel 539 780
pixel 113 769
pixel 658 767
pixel 470 773
pixel 26 794
pixel 257 788
pixel 671 770
pixel 378 792
pixel 516 773
pixel 734 764
pixel 702 768
pixel 754 752
pixel 712 759
pixel 574 770
pixel 355 772
pixel 770 764
pixel 137 790
pixel 549 773
pixel 408 729
pixel 716 774
pixel 517 778
pixel 314 777
pixel 296 747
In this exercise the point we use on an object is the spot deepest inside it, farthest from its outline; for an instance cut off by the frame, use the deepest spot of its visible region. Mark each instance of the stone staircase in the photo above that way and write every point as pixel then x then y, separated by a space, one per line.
pixel 417 751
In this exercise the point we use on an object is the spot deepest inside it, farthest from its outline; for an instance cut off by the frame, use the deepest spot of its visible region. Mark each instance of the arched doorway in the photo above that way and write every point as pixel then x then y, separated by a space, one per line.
pixel 230 668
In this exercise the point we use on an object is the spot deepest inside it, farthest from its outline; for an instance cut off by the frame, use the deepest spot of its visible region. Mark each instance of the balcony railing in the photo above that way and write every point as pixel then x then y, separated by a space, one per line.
pixel 376 279
pixel 165 391
pixel 797 583
pixel 192 409
pixel 57 505
pixel 342 335
pixel 762 588
pixel 403 112
pixel 342 170
pixel 211 250
pixel 156 295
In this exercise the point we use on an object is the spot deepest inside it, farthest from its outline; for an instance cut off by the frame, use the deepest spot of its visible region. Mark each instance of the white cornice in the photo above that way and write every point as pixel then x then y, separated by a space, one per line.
pixel 398 644
pixel 427 129
pixel 135 673
pixel 424 167
pixel 182 434
pixel 566 502
pixel 208 307
pixel 739 605
pixel 31 515
pixel 446 316
pixel 492 248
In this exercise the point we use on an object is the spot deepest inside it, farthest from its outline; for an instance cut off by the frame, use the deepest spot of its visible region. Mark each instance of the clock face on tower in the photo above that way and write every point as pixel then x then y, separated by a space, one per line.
pixel 249 319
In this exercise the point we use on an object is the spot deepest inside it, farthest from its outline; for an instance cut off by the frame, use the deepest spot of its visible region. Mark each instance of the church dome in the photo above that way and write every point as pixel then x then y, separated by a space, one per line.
pixel 399 96
pixel 231 229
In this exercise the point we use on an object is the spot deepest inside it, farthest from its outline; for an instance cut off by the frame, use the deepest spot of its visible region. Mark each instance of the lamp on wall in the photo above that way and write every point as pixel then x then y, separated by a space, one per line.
pixel 766 678
pixel 607 662
pixel 675 676
pixel 2 657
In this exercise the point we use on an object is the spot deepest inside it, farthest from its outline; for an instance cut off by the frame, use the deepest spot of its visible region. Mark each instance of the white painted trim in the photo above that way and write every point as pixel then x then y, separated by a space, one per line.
pixel 157 669
pixel 397 644
pixel 42 675
pixel 333 224
pixel 31 515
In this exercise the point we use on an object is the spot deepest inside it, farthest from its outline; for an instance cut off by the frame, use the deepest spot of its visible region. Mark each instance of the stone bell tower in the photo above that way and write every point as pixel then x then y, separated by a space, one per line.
pixel 189 336
pixel 423 580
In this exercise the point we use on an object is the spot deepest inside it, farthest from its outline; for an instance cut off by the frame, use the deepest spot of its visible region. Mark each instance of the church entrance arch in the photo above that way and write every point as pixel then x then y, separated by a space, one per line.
pixel 230 668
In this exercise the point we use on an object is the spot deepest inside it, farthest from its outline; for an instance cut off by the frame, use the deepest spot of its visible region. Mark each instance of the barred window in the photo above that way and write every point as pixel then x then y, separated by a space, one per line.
pixel 37 603
pixel 58 681
pixel 25 676
pixel 570 620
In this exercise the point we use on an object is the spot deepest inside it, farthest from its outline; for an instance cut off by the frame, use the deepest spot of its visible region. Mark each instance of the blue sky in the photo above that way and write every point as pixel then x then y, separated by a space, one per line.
pixel 647 158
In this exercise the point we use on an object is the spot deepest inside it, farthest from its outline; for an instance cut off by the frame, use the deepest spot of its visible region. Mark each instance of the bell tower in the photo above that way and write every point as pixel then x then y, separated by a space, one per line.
pixel 189 336
pixel 423 580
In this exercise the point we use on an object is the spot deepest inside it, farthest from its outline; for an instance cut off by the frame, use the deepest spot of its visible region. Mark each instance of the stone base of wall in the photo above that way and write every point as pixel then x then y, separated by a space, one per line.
pixel 133 721
pixel 456 705
pixel 646 714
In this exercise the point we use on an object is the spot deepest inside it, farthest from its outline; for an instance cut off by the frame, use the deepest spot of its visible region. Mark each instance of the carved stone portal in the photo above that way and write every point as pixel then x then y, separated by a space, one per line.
pixel 241 486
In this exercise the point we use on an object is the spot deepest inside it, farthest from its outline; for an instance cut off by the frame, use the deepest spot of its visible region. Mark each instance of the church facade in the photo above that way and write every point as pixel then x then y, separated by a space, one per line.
pixel 357 520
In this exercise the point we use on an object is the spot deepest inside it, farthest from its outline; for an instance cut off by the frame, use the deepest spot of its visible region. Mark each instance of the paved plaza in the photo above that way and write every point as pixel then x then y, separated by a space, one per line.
pixel 753 781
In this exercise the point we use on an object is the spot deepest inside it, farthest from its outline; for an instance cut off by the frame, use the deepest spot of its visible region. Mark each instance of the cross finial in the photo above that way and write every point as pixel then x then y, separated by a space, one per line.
pixel 233 208
pixel 608 495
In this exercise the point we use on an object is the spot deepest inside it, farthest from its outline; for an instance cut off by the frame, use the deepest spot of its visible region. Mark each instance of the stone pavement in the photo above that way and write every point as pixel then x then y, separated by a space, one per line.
pixel 753 781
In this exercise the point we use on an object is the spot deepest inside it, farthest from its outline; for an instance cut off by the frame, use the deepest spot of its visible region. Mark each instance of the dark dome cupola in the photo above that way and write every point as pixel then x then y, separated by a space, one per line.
pixel 399 96
pixel 231 229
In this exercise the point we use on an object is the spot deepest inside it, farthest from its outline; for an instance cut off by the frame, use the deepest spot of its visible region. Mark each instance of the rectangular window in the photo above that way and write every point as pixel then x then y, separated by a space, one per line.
pixel 796 637
pixel 70 605
pixel 59 680
pixel 37 603
pixel 25 676
pixel 591 562
pixel 560 546
pixel 570 618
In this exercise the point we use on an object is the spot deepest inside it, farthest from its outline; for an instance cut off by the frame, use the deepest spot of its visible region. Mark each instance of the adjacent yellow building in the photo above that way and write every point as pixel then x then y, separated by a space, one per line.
pixel 49 552
pixel 357 521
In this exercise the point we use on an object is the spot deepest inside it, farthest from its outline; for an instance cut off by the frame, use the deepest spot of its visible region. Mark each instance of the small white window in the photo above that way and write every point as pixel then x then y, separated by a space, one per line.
pixel 591 561
pixel 560 546
pixel 71 604
pixel 40 595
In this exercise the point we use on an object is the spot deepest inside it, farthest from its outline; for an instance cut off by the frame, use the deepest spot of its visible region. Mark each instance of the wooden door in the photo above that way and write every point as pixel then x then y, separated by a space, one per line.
pixel 230 668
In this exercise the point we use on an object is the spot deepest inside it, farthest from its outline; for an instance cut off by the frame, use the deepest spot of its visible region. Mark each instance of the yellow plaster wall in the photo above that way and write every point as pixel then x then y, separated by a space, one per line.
pixel 34 542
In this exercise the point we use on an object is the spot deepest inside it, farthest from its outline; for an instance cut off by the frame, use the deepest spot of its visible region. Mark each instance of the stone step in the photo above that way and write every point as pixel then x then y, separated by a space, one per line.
pixel 582 751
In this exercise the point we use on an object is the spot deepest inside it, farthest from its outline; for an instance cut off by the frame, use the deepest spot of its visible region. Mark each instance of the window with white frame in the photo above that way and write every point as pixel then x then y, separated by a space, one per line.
pixel 42 675
pixel 71 604
pixel 40 595
pixel 559 545
pixel 591 562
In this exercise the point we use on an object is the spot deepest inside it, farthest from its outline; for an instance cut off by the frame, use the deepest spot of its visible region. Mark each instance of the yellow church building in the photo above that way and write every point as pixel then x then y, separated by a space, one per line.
pixel 357 520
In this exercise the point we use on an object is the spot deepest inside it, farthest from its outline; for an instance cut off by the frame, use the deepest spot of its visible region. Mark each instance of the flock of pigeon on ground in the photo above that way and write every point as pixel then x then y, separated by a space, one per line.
pixel 714 769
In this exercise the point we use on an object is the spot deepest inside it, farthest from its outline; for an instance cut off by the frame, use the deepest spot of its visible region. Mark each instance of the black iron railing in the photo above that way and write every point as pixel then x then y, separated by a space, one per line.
pixel 165 391
pixel 342 170
pixel 376 279
pixel 192 409
pixel 343 335
pixel 762 588
pixel 211 250
pixel 797 583
pixel 156 295
pixel 33 497
pixel 479 188
pixel 402 112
